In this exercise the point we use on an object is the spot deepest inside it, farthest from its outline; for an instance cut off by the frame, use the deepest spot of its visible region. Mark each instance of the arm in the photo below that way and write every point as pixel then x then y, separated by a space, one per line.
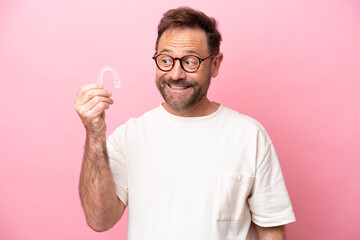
pixel 97 190
pixel 270 233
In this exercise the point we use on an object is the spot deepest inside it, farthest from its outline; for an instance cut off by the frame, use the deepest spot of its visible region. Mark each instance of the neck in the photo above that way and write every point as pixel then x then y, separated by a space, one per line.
pixel 202 108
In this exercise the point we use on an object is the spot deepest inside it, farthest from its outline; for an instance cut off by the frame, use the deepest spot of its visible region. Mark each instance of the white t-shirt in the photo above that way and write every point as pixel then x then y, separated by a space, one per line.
pixel 203 178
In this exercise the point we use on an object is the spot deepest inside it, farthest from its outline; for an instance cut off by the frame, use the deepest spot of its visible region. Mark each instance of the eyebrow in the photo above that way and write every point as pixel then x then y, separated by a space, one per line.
pixel 191 52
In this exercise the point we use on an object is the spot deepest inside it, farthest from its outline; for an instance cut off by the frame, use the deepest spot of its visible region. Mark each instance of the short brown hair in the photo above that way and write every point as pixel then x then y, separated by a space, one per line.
pixel 185 17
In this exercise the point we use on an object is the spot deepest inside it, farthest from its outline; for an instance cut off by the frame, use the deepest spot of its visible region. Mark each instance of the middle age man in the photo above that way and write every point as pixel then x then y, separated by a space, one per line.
pixel 191 168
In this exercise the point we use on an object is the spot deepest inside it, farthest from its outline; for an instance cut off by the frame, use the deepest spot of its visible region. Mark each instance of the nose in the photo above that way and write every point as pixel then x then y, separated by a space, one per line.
pixel 177 72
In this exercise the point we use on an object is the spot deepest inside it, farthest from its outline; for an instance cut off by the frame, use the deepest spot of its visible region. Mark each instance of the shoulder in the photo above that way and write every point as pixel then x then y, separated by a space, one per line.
pixel 148 118
pixel 234 117
pixel 245 127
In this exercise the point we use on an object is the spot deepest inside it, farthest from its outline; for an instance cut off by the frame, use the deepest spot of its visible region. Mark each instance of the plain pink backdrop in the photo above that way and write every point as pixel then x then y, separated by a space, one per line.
pixel 292 65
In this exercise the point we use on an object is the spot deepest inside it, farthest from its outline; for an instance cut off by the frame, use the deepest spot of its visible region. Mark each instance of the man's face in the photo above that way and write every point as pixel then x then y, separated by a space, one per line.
pixel 182 90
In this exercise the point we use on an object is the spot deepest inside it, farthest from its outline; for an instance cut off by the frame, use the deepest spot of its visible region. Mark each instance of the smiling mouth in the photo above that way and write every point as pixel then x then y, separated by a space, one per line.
pixel 178 87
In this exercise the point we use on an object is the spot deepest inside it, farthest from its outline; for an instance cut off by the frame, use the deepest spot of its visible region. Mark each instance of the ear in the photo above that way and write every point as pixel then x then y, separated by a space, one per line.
pixel 215 66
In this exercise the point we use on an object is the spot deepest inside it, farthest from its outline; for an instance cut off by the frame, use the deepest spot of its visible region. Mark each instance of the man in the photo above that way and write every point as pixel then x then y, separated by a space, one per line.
pixel 191 168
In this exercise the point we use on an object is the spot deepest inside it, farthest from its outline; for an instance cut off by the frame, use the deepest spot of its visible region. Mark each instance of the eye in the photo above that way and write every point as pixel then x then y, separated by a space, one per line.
pixel 190 62
pixel 165 60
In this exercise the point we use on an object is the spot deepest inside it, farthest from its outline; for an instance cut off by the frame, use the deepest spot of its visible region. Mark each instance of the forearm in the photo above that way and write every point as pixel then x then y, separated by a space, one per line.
pixel 270 233
pixel 97 189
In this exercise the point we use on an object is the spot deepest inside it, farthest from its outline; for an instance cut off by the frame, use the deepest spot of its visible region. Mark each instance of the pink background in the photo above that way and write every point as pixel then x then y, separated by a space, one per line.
pixel 292 65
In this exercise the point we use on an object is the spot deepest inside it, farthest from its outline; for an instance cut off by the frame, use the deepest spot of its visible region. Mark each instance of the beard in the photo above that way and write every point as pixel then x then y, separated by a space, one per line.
pixel 183 104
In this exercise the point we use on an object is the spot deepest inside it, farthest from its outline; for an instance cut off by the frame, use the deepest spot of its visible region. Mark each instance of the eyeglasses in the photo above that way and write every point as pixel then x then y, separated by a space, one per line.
pixel 189 63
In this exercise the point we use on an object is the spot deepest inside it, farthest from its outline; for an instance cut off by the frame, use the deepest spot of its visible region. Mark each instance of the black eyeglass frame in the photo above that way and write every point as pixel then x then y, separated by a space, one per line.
pixel 180 60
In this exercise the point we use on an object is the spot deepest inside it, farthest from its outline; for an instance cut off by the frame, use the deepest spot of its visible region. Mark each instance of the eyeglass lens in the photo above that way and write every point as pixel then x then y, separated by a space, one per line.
pixel 189 63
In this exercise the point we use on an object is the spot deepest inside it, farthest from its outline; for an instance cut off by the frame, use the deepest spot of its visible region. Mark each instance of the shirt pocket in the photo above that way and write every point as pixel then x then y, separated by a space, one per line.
pixel 232 193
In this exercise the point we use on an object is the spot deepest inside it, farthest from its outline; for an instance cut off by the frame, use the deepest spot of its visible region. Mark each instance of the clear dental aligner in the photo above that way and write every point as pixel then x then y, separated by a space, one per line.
pixel 115 75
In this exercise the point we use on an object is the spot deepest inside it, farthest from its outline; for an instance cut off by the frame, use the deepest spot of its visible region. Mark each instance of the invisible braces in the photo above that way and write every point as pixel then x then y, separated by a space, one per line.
pixel 117 83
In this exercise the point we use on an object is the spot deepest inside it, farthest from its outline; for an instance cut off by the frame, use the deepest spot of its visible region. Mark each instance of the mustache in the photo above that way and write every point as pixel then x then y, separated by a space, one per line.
pixel 180 82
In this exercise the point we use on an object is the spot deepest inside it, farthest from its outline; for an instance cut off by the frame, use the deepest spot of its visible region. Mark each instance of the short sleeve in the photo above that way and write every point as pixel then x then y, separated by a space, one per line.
pixel 117 163
pixel 269 201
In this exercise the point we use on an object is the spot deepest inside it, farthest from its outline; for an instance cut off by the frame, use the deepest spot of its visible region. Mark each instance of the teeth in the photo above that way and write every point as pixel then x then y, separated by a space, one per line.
pixel 175 87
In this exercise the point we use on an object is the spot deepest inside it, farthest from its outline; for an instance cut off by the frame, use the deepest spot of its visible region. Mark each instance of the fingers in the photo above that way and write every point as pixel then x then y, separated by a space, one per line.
pixel 89 91
pixel 88 103
pixel 97 111
pixel 95 105
pixel 96 100
pixel 87 87
pixel 93 93
pixel 91 102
